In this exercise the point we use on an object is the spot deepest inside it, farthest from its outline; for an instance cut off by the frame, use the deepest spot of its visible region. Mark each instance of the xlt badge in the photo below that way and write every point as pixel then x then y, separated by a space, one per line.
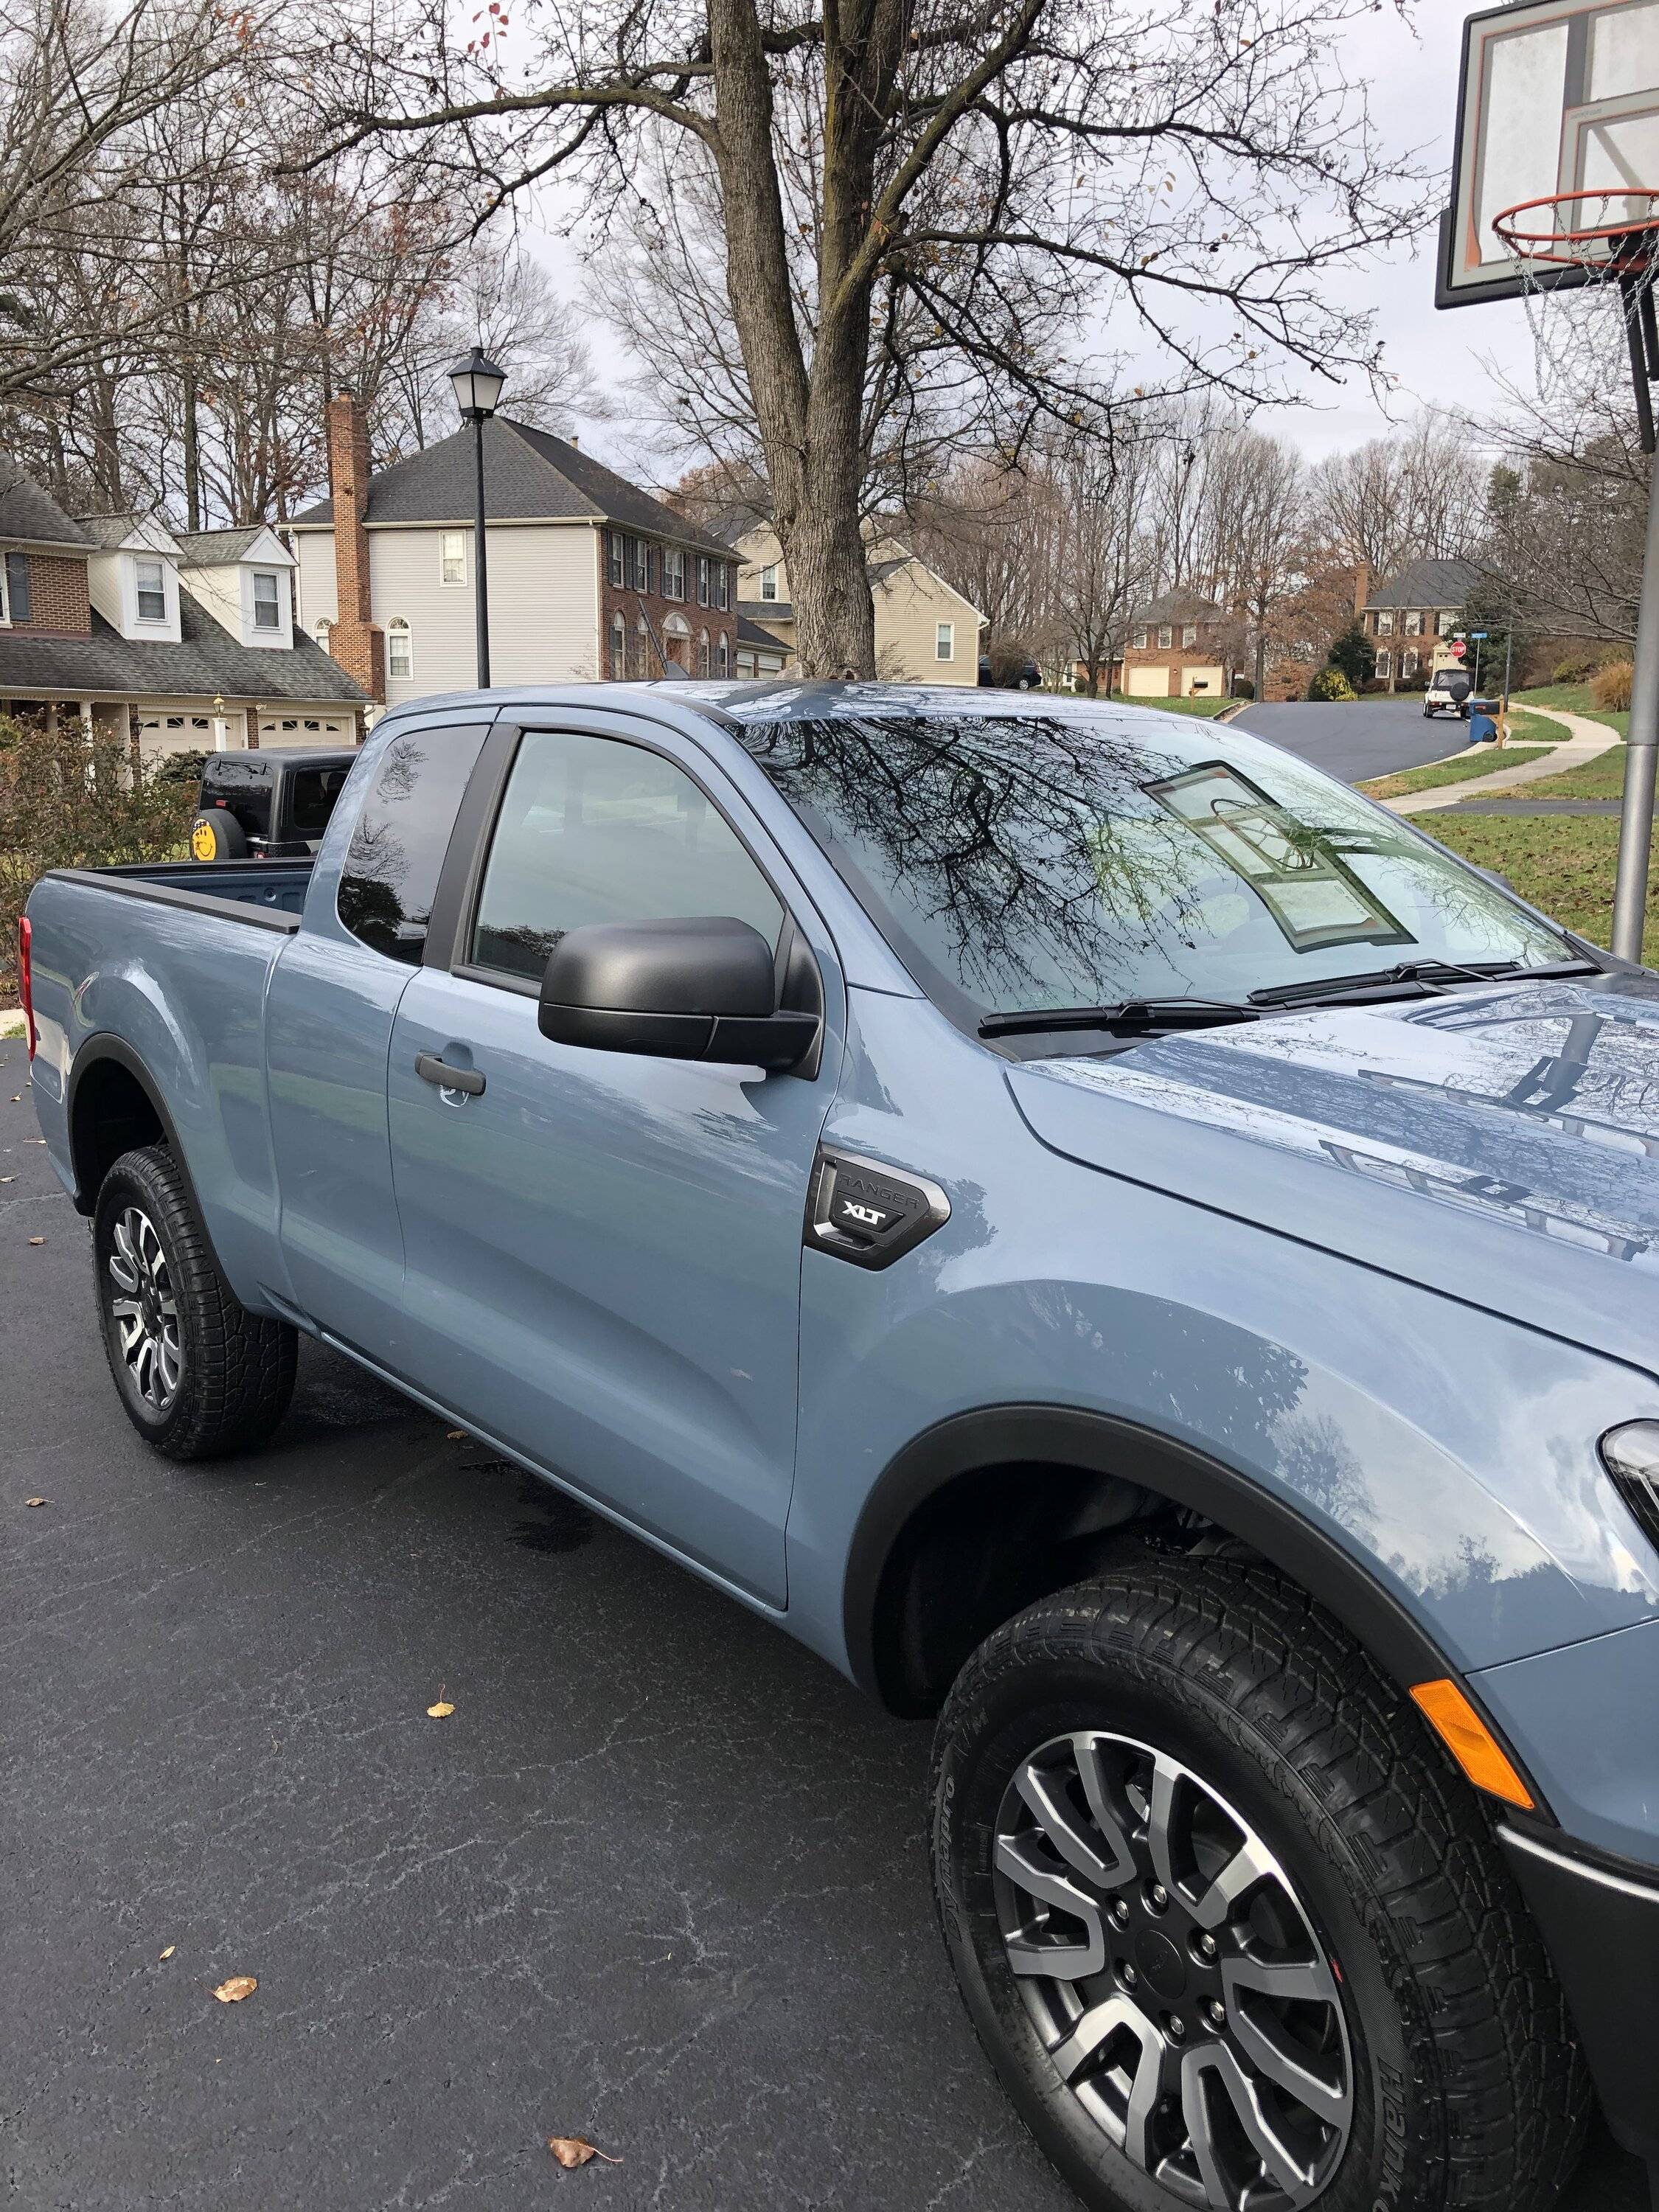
pixel 860 1210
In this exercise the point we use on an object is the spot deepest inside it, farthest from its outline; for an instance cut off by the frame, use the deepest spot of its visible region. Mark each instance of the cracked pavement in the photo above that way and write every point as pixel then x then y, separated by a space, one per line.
pixel 659 1880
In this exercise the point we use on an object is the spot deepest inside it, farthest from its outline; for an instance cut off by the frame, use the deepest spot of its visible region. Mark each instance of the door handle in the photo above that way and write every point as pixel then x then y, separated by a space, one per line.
pixel 431 1069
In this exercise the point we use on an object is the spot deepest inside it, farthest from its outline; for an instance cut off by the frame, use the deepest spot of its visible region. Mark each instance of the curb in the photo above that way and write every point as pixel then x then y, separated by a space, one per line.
pixel 1586 741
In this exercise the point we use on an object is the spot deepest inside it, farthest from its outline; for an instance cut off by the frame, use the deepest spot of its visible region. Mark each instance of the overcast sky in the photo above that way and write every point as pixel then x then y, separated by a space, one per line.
pixel 1435 357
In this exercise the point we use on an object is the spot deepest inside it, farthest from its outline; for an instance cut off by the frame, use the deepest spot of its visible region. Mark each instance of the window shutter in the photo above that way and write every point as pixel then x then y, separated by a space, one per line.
pixel 17 586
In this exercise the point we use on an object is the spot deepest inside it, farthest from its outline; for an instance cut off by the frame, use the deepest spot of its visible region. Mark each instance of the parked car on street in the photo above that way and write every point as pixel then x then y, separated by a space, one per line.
pixel 269 805
pixel 1448 693
pixel 1019 676
pixel 1114 1240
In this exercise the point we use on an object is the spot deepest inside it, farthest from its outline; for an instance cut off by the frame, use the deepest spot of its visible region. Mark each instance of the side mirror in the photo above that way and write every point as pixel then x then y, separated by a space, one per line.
pixel 703 988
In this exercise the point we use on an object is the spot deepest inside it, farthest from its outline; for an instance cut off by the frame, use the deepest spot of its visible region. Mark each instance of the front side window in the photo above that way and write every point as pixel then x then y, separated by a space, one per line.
pixel 400 651
pixel 1063 862
pixel 152 591
pixel 267 603
pixel 391 874
pixel 945 642
pixel 452 557
pixel 769 580
pixel 594 829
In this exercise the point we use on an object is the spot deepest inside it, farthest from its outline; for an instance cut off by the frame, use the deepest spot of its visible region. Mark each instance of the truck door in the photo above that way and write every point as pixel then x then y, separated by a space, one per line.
pixel 603 1250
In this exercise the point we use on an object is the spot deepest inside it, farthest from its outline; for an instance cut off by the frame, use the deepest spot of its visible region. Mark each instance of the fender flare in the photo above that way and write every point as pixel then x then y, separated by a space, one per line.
pixel 1101 1443
pixel 101 1046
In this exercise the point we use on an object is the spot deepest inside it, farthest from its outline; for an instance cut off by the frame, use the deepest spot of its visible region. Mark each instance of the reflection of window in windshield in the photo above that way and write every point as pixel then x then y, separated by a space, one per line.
pixel 1024 862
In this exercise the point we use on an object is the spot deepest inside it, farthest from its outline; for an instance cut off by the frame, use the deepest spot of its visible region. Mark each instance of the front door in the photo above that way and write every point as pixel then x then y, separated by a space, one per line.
pixel 602 1250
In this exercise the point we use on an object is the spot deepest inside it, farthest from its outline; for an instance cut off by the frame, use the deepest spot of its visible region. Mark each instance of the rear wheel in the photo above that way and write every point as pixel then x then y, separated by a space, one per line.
pixel 199 1375
pixel 1230 1930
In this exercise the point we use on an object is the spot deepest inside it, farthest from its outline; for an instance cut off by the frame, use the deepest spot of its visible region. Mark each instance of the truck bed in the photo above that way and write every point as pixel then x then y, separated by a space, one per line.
pixel 270 893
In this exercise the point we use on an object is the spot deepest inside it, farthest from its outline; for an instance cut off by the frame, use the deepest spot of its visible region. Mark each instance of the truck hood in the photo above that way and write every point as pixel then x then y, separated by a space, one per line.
pixel 1501 1145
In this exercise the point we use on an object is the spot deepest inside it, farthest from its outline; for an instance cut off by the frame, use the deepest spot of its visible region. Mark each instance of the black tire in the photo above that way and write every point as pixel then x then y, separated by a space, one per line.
pixel 216 835
pixel 1443 2025
pixel 199 1376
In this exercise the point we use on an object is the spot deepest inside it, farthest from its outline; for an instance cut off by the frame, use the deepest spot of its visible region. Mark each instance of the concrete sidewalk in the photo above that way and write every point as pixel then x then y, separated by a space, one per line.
pixel 1586 741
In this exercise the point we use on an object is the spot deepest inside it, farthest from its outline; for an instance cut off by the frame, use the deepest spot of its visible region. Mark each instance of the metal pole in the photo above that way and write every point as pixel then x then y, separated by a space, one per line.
pixel 1629 897
pixel 480 572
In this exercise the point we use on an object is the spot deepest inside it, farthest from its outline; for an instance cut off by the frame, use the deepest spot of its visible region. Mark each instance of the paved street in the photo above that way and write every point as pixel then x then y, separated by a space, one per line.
pixel 1357 738
pixel 658 1880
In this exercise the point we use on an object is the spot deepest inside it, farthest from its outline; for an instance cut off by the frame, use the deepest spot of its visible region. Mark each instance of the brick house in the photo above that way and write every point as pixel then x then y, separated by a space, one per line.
pixel 590 576
pixel 1180 648
pixel 184 642
pixel 1410 618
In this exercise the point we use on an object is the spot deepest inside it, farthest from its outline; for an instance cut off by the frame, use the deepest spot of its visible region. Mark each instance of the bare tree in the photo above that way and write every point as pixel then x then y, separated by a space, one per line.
pixel 1255 494
pixel 1414 493
pixel 981 167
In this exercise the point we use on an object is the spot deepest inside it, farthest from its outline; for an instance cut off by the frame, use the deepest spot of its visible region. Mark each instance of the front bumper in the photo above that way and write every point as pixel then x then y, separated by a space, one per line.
pixel 1600 1919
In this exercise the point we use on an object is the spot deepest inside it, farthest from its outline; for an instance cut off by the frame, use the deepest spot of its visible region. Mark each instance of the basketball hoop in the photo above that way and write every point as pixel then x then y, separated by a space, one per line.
pixel 1620 246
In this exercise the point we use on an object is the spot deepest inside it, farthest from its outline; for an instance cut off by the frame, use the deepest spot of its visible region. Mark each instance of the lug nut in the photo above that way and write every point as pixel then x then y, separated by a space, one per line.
pixel 1121 1911
pixel 1177 2028
pixel 1130 1977
pixel 1206 1944
pixel 1158 1896
pixel 1216 2012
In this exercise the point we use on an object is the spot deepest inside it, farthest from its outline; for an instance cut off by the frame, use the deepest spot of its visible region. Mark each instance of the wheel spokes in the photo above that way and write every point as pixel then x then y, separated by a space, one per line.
pixel 145 1311
pixel 1015 1856
pixel 1114 2021
pixel 1217 2064
pixel 1057 1821
pixel 1264 2038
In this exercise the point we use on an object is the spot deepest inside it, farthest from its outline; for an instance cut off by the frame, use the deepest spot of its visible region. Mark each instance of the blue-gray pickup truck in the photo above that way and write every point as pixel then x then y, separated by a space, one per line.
pixel 1114 1240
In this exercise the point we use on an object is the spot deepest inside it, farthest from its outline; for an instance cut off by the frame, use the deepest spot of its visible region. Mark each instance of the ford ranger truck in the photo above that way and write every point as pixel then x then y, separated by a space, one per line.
pixel 1116 1242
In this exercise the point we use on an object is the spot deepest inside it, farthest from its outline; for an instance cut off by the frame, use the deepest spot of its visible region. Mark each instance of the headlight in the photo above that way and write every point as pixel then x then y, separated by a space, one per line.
pixel 1630 1456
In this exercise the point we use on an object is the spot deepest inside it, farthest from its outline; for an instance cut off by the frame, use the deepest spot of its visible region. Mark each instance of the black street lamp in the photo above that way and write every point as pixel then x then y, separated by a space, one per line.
pixel 478 383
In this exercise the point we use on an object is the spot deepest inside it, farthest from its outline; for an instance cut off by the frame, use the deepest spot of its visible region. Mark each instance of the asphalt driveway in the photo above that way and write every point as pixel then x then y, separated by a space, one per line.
pixel 658 1879
pixel 1357 738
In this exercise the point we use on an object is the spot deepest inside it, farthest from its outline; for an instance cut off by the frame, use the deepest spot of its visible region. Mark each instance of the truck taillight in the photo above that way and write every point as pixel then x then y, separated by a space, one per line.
pixel 25 982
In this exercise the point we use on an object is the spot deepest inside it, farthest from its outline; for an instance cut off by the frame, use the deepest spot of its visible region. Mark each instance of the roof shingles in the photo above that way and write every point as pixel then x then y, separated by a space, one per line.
pixel 207 662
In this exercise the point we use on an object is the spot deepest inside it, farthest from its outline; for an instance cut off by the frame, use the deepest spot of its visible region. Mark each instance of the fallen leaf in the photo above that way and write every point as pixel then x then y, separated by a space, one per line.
pixel 34 1501
pixel 457 1436
pixel 238 1987
pixel 17 1097
pixel 441 1711
pixel 572 2151
pixel 168 1953
pixel 37 1240
pixel 7 1178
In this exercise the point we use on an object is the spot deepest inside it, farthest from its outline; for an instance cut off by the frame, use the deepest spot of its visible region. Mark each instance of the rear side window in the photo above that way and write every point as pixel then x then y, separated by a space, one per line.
pixel 596 830
pixel 312 793
pixel 391 872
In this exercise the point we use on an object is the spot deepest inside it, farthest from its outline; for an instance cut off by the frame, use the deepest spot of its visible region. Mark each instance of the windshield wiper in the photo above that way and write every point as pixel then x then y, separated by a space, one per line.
pixel 1163 1013
pixel 1412 972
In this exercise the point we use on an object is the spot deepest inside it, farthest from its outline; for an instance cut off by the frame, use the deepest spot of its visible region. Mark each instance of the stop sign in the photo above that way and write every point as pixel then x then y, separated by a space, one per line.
pixel 1458 648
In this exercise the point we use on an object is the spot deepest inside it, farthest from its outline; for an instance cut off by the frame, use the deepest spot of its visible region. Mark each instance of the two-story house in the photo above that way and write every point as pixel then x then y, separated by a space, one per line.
pixel 926 631
pixel 589 576
pixel 1177 649
pixel 187 641
pixel 1409 618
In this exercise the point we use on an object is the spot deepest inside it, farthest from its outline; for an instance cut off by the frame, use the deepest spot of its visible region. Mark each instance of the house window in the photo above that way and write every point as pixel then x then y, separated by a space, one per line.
pixel 324 631
pixel 399 652
pixel 702 653
pixel 702 579
pixel 267 607
pixel 769 580
pixel 618 647
pixel 1165 637
pixel 722 585
pixel 1443 623
pixel 152 591
pixel 452 557
pixel 1385 623
pixel 15 588
pixel 1413 625
pixel 1385 665
pixel 1189 633
pixel 1141 636
pixel 1408 663
pixel 673 572
pixel 722 653
pixel 645 558
pixel 618 558
pixel 945 642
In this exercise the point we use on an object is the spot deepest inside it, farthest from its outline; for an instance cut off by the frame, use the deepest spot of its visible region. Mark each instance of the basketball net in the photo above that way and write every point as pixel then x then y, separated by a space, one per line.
pixel 1609 241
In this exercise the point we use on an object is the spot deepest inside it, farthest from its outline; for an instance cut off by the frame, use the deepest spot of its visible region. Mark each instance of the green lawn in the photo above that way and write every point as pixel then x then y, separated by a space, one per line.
pixel 1604 778
pixel 1478 760
pixel 1563 863
pixel 1574 699
pixel 1206 708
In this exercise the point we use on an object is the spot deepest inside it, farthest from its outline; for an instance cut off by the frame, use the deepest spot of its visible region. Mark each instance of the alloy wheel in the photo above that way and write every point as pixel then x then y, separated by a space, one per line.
pixel 143 1309
pixel 1173 1974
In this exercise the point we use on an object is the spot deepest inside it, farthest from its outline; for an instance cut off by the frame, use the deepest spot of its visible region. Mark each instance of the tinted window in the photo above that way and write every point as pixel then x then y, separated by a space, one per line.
pixel 245 788
pixel 397 847
pixel 1022 864
pixel 592 830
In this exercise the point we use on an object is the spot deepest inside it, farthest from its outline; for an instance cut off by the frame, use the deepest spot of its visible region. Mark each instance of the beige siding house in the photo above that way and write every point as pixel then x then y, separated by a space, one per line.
pixel 926 631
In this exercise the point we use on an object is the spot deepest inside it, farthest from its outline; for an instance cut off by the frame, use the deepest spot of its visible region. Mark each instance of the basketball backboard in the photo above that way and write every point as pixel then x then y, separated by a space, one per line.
pixel 1555 96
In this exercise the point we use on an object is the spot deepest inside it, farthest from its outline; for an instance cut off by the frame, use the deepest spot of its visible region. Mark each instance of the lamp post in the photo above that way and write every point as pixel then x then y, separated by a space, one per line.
pixel 478 383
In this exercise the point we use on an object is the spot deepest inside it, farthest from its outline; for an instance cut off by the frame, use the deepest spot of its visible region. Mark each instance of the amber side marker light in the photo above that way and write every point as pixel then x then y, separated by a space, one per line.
pixel 1470 1742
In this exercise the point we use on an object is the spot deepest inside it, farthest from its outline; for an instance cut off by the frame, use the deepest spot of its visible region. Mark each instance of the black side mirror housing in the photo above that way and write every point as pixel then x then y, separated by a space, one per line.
pixel 699 988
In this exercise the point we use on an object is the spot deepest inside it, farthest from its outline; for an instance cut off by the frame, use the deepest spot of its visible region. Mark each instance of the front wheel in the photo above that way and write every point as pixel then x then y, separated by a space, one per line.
pixel 199 1375
pixel 1229 1929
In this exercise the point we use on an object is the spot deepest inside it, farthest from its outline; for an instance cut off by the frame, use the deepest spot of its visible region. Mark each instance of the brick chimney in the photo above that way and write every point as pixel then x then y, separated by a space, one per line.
pixel 356 642
pixel 1361 587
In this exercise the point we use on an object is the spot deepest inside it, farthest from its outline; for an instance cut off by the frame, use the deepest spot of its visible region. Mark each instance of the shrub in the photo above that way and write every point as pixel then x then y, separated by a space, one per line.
pixel 66 803
pixel 1611 686
pixel 1571 672
pixel 1353 654
pixel 1331 683
pixel 1244 687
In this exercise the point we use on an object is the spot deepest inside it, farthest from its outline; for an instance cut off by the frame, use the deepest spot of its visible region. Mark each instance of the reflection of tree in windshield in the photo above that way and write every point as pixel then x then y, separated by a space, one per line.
pixel 1048 860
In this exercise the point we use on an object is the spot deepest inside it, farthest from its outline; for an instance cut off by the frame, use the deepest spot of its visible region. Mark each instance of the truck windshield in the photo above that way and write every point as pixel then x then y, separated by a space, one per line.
pixel 1019 864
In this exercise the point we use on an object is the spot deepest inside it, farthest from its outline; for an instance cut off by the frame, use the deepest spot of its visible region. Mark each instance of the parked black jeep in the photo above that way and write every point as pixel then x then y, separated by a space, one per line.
pixel 268 805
